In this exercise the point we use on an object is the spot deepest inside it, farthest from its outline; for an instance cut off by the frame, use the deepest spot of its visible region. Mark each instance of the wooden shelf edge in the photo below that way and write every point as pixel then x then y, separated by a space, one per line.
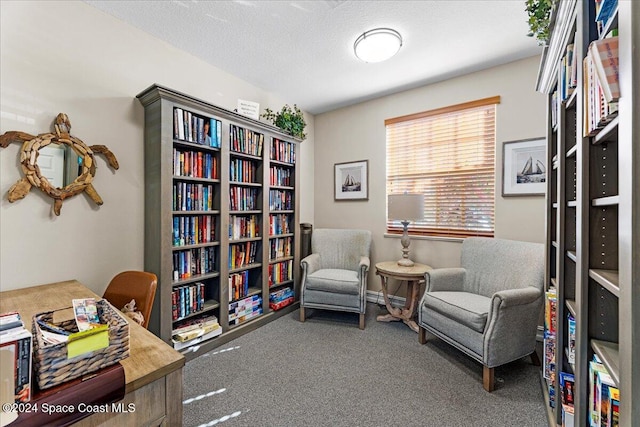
pixel 607 132
pixel 572 255
pixel 606 201
pixel 608 279
pixel 571 305
pixel 572 151
pixel 608 352
pixel 545 395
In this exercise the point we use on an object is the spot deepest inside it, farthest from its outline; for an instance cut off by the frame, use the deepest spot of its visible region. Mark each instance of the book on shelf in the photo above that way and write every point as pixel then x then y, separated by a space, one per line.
pixel 181 345
pixel 605 9
pixel 571 338
pixel 16 345
pixel 613 419
pixel 603 383
pixel 605 57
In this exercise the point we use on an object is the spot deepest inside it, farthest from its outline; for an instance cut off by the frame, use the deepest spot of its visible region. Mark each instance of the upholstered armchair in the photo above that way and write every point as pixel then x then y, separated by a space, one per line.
pixel 489 307
pixel 334 275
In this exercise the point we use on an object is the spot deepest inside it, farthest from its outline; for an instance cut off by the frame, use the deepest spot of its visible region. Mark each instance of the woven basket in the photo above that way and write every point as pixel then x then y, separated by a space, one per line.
pixel 53 367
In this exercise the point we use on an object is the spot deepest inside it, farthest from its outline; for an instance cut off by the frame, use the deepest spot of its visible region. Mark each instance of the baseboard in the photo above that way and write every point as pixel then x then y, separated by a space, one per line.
pixel 378 298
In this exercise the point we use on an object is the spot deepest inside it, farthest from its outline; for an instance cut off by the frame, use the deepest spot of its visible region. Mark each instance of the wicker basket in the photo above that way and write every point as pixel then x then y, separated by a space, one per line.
pixel 51 363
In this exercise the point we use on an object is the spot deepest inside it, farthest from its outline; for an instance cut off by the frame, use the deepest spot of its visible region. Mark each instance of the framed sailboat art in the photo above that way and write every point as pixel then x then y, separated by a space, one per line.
pixel 351 180
pixel 524 167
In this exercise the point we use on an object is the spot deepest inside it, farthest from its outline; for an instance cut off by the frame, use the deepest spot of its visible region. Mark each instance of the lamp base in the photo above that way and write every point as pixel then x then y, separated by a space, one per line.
pixel 406 262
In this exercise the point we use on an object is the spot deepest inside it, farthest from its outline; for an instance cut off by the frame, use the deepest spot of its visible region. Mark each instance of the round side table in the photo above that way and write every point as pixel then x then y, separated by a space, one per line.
pixel 414 276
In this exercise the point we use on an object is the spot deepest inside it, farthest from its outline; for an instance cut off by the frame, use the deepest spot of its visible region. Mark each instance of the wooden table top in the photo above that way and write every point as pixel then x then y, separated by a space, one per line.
pixel 150 357
pixel 392 268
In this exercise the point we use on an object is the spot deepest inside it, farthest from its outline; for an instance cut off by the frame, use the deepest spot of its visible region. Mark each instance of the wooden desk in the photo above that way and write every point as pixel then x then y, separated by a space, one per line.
pixel 153 371
pixel 413 275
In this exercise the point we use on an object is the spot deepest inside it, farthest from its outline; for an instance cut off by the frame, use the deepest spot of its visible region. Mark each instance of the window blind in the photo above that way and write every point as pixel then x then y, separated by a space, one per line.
pixel 448 155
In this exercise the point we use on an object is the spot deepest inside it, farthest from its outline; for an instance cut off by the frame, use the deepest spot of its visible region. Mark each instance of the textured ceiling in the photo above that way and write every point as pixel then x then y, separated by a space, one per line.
pixel 302 51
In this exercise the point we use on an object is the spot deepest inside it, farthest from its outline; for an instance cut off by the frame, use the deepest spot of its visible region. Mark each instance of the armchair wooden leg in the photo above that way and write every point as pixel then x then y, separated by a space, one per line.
pixel 302 317
pixel 422 335
pixel 535 360
pixel 361 320
pixel 487 378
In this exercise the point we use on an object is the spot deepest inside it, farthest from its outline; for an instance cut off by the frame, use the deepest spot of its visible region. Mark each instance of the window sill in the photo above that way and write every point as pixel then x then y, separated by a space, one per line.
pixel 421 237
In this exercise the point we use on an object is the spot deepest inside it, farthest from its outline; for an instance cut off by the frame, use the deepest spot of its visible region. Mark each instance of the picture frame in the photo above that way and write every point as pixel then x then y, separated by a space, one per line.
pixel 524 167
pixel 351 180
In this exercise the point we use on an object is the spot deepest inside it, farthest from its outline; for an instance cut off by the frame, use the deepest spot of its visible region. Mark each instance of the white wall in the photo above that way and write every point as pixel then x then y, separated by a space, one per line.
pixel 358 133
pixel 60 56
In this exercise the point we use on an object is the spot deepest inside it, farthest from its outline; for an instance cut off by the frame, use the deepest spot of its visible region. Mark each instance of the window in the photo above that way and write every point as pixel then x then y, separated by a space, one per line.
pixel 448 155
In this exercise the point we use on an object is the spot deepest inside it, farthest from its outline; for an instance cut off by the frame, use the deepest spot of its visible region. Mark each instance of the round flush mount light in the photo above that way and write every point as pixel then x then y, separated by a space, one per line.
pixel 377 45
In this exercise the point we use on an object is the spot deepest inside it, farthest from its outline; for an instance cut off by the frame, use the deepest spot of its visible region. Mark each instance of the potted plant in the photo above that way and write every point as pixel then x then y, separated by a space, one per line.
pixel 290 120
pixel 539 12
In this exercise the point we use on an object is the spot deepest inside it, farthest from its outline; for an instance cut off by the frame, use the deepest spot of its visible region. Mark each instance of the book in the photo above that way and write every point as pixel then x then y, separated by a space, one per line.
pixel 86 313
pixel 594 409
pixel 15 362
pixel 571 339
pixel 603 383
pixel 179 345
pixel 604 54
pixel 614 407
pixel 605 9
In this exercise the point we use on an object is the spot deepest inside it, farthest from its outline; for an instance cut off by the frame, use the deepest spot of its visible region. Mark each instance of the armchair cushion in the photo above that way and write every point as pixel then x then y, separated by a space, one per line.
pixel 463 307
pixel 334 280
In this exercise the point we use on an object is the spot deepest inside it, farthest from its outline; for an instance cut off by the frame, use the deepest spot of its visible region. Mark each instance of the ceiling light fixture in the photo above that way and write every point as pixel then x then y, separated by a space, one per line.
pixel 377 45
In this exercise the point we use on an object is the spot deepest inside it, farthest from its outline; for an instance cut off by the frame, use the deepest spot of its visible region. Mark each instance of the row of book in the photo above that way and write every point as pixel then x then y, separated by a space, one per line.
pixel 245 309
pixel 241 254
pixel 280 176
pixel 279 224
pixel 194 229
pixel 283 151
pixel 246 141
pixel 192 197
pixel 280 272
pixel 241 170
pixel 601 87
pixel 243 198
pixel 605 10
pixel 243 226
pixel 187 300
pixel 16 344
pixel 280 247
pixel 190 127
pixel 195 164
pixel 194 262
pixel 239 285
pixel 281 298
pixel 280 200
pixel 568 80
pixel 604 396
pixel 549 343
pixel 195 330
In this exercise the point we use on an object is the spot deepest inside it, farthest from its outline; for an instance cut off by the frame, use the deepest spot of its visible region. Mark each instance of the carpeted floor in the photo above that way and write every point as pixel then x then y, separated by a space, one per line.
pixel 327 372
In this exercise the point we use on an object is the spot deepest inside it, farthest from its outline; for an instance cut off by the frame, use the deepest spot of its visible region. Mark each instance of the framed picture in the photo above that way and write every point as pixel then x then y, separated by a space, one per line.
pixel 524 167
pixel 351 180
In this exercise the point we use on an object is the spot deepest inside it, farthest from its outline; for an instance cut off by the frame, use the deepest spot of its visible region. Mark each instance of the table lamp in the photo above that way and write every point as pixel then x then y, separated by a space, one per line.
pixel 405 208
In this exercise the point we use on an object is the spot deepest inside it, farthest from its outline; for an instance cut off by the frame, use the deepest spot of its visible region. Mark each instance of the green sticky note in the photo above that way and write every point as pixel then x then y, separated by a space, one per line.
pixel 87 341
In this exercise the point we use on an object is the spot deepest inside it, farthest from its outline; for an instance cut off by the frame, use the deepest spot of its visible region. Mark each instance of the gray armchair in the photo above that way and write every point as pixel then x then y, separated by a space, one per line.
pixel 334 275
pixel 490 307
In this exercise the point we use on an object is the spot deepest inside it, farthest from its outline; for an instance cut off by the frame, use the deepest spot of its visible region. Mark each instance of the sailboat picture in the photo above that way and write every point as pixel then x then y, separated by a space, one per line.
pixel 351 180
pixel 524 171
pixel 533 171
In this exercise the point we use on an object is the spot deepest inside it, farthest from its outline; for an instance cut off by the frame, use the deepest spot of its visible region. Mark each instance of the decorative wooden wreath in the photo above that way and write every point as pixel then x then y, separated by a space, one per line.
pixel 29 161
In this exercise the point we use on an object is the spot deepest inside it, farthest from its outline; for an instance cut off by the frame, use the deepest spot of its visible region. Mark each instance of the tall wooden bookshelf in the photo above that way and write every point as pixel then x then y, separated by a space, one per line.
pixel 593 223
pixel 221 216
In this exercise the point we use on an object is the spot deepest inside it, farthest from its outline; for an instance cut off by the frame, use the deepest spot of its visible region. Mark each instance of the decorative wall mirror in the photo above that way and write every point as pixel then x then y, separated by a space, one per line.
pixel 59 164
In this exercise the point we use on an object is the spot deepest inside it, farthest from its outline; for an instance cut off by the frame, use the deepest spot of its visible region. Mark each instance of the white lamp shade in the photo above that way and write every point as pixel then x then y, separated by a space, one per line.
pixel 377 45
pixel 406 207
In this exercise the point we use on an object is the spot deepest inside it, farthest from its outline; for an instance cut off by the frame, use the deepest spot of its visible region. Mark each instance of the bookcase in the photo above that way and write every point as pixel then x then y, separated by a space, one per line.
pixel 221 218
pixel 592 207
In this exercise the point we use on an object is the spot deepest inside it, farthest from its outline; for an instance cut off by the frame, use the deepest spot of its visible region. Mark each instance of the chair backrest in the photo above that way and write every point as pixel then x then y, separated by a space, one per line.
pixel 341 248
pixel 128 285
pixel 496 264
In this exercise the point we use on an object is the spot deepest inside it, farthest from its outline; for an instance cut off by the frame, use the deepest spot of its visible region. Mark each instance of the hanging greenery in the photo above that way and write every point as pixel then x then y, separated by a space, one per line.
pixel 539 12
pixel 290 120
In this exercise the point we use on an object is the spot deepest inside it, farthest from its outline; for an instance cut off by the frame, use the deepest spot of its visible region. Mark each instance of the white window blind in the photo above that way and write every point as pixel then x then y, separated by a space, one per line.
pixel 448 155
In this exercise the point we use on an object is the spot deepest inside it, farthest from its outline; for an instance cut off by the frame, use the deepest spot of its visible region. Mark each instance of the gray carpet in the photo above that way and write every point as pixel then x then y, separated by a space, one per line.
pixel 327 372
